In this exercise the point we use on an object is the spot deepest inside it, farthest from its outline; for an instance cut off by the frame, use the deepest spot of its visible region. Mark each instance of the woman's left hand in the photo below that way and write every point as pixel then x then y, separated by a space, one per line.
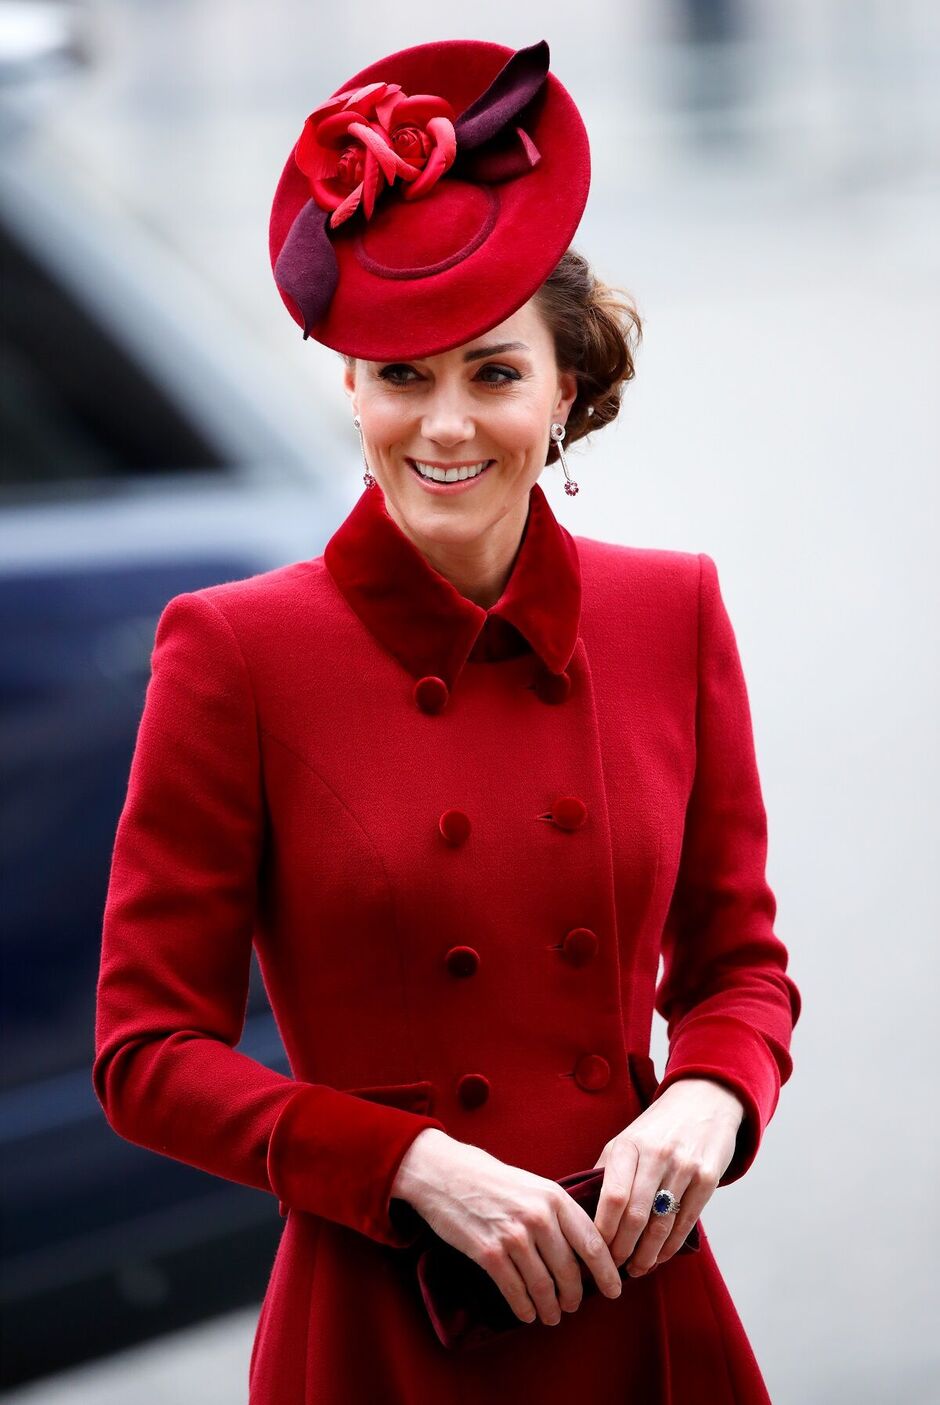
pixel 683 1141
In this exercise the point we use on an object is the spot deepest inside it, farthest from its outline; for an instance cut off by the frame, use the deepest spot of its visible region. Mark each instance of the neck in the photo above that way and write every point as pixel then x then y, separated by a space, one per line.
pixel 478 569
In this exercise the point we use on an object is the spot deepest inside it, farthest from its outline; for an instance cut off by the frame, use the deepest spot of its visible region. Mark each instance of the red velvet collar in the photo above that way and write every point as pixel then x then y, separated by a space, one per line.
pixel 422 620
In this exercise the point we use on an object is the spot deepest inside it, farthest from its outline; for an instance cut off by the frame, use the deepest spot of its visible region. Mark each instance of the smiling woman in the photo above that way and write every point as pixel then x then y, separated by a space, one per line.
pixel 474 423
pixel 463 781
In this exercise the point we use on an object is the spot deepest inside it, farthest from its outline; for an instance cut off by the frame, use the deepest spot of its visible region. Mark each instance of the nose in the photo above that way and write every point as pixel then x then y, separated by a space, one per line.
pixel 446 418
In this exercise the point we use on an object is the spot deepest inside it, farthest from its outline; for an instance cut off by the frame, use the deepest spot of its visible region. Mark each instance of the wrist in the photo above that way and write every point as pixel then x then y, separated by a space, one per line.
pixel 721 1093
pixel 415 1176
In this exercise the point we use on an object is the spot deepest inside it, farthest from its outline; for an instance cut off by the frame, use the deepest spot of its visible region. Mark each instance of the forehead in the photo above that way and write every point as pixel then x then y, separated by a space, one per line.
pixel 525 326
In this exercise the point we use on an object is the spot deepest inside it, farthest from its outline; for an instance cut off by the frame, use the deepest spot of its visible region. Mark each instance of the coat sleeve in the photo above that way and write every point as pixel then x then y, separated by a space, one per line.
pixel 175 959
pixel 728 1003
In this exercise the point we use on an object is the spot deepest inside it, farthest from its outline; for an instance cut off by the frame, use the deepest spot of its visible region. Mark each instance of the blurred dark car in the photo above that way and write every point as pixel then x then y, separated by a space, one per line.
pixel 141 457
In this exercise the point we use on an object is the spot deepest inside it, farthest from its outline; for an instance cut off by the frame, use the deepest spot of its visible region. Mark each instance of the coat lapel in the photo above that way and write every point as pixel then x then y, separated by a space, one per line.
pixel 422 620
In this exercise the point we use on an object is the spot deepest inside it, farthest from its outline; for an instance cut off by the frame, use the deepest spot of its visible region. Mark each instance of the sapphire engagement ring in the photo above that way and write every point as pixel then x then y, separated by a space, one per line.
pixel 664 1202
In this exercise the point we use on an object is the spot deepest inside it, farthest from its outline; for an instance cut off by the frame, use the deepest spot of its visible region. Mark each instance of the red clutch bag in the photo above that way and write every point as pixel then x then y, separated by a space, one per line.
pixel 463 1302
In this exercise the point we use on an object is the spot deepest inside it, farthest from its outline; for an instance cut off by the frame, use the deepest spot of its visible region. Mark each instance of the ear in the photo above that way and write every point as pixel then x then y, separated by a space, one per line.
pixel 567 395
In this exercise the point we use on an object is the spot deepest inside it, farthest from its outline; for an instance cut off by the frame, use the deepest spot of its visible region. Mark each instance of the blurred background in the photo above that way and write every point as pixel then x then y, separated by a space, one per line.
pixel 766 184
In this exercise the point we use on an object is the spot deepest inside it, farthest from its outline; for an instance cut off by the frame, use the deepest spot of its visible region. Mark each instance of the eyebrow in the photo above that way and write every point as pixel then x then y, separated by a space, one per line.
pixel 495 350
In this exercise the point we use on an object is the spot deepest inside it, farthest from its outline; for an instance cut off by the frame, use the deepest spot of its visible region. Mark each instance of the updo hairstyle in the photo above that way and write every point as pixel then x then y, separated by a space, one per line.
pixel 597 332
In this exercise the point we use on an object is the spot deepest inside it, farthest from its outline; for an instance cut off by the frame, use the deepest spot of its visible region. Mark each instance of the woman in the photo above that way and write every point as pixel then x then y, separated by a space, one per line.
pixel 462 780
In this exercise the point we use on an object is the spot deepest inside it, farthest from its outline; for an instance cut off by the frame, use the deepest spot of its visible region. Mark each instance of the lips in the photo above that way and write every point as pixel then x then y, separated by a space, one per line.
pixel 454 483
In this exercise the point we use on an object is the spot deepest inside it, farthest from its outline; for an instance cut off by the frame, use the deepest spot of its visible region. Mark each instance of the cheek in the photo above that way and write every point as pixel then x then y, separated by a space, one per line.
pixel 385 420
pixel 522 427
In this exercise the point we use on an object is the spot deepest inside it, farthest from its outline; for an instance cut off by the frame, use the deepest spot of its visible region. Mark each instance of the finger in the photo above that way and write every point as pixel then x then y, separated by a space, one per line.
pixel 559 1259
pixel 658 1227
pixel 638 1224
pixel 693 1201
pixel 615 1190
pixel 539 1283
pixel 510 1283
pixel 589 1244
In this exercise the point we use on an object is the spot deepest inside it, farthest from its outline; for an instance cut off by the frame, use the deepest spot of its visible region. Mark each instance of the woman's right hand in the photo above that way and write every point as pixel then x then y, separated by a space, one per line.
pixel 523 1229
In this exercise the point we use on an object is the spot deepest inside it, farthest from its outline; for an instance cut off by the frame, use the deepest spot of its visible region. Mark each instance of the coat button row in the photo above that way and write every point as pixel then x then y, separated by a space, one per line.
pixel 578 948
pixel 431 694
pixel 591 1072
pixel 568 812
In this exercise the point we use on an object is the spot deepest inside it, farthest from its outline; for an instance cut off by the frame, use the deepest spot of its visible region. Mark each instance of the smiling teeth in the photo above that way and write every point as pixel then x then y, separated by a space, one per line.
pixel 449 475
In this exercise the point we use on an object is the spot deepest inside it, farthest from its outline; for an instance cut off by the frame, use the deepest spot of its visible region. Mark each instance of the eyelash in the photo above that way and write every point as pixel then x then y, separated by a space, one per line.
pixel 504 372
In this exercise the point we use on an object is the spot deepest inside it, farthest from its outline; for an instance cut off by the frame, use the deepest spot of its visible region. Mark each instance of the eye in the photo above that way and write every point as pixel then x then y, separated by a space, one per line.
pixel 393 374
pixel 387 373
pixel 504 371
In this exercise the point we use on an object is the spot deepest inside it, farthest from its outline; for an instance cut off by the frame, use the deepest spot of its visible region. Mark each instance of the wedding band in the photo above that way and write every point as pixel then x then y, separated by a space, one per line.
pixel 664 1202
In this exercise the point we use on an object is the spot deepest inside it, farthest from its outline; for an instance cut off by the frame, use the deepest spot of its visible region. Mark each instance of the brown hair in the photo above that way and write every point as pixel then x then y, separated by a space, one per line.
pixel 597 331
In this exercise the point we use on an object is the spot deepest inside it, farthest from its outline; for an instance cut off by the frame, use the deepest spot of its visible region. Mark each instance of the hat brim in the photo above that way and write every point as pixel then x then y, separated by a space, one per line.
pixel 425 275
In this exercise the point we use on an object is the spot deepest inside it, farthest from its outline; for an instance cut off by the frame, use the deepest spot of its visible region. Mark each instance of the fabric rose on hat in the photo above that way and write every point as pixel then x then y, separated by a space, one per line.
pixel 357 143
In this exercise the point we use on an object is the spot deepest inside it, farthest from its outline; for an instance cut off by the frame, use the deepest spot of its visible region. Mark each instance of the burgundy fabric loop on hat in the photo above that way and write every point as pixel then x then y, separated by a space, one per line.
pixel 428 198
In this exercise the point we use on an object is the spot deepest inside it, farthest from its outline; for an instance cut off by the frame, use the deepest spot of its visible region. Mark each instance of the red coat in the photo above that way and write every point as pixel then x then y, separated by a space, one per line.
pixel 351 765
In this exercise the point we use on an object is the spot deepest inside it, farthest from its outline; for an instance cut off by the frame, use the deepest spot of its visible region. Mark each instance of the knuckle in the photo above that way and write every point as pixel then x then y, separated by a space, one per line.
pixel 491 1257
pixel 595 1245
pixel 538 1218
pixel 515 1239
pixel 617 1200
pixel 540 1286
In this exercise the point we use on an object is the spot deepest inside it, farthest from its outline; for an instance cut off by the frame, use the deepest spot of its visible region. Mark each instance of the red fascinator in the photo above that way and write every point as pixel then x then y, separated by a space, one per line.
pixel 428 198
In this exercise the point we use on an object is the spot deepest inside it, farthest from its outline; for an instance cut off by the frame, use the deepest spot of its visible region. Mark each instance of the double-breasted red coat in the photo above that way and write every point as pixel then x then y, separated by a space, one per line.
pixel 460 840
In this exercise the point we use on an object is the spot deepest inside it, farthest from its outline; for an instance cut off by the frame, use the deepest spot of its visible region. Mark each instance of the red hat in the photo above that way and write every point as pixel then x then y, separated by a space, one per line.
pixel 428 198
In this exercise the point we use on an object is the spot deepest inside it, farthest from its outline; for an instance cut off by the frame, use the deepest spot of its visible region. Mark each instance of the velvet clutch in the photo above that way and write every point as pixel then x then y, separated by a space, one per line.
pixel 464 1304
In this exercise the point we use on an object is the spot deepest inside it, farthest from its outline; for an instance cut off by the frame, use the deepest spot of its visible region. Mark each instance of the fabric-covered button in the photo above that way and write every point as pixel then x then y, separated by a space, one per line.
pixel 431 693
pixel 462 961
pixel 592 1071
pixel 569 812
pixel 473 1089
pixel 579 946
pixel 553 687
pixel 454 826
